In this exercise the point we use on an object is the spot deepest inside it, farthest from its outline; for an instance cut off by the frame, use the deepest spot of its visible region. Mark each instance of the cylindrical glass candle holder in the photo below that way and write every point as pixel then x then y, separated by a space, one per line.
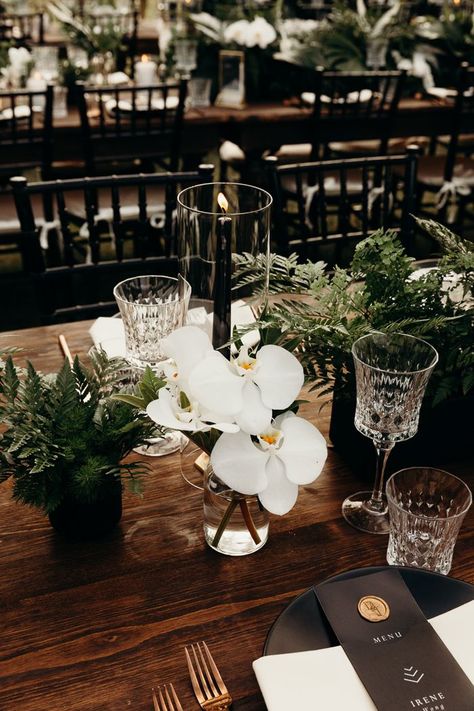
pixel 217 222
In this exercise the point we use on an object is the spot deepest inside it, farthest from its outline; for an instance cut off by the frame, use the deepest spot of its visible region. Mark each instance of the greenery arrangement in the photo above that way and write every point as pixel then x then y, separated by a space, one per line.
pixel 87 32
pixel 450 36
pixel 322 314
pixel 340 41
pixel 64 436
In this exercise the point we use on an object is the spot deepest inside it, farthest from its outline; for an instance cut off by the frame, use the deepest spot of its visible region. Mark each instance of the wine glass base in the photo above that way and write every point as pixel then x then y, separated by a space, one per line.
pixel 358 515
pixel 161 446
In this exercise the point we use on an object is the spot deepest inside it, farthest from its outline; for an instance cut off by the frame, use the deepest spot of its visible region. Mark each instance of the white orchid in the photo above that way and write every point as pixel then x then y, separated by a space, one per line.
pixel 261 33
pixel 246 389
pixel 237 32
pixel 258 33
pixel 177 413
pixel 289 453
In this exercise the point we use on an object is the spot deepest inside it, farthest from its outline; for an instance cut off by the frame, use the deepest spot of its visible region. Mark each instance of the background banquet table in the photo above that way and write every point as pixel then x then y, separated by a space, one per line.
pixel 270 125
pixel 89 626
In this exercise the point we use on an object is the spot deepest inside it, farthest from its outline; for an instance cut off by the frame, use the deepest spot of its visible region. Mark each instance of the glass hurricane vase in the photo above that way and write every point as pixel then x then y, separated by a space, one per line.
pixel 234 524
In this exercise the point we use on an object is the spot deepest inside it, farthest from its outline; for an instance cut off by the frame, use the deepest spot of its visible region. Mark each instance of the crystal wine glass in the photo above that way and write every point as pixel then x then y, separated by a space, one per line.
pixel 392 371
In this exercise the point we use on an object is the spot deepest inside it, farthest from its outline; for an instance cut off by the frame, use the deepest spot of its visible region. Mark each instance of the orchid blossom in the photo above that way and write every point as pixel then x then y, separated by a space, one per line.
pixel 244 391
pixel 288 453
pixel 185 416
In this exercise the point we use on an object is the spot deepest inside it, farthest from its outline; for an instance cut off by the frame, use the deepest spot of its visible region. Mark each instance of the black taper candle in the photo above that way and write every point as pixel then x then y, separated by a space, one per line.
pixel 221 330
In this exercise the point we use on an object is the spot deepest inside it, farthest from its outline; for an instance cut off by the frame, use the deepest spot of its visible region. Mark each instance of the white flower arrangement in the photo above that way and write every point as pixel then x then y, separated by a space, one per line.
pixel 240 410
pixel 244 33
pixel 19 63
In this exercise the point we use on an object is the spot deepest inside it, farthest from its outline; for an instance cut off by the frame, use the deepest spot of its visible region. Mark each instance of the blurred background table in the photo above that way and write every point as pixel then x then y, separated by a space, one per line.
pixel 269 124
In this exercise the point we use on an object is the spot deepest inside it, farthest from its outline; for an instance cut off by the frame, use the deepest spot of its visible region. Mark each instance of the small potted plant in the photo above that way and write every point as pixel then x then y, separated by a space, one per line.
pixel 64 440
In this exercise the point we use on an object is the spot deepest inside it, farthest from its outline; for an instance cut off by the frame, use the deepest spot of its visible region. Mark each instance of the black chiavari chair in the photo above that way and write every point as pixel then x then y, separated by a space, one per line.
pixel 451 176
pixel 25 27
pixel 131 124
pixel 347 104
pixel 323 208
pixel 26 140
pixel 107 244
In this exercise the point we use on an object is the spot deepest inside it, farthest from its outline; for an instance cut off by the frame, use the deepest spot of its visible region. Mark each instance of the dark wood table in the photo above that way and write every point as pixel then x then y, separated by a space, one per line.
pixel 92 627
pixel 268 125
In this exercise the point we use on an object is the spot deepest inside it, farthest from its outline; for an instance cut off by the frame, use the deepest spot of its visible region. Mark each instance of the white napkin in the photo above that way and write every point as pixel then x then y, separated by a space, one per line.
pixel 108 333
pixel 296 681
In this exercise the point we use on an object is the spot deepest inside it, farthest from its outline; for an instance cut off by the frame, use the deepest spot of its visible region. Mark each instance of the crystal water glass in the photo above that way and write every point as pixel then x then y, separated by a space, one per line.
pixel 199 92
pixel 392 371
pixel 151 308
pixel 185 55
pixel 427 507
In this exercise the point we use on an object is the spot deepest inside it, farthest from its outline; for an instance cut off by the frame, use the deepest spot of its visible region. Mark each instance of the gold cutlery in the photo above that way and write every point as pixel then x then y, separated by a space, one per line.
pixel 208 686
pixel 167 699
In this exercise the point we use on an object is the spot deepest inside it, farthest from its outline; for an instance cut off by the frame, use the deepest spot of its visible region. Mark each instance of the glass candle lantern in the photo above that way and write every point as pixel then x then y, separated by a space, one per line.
pixel 216 223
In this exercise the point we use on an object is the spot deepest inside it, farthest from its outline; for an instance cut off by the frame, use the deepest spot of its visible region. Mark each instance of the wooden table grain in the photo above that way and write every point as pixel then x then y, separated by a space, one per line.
pixel 93 626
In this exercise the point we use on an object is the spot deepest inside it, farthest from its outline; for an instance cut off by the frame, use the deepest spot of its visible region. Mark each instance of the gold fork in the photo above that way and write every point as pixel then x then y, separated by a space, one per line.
pixel 164 702
pixel 210 690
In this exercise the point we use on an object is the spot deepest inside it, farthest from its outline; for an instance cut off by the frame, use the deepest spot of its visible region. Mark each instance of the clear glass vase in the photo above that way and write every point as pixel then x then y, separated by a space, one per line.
pixel 218 223
pixel 234 524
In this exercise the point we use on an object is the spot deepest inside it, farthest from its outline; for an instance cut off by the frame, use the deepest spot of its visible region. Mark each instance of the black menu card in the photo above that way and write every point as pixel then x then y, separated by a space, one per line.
pixel 396 653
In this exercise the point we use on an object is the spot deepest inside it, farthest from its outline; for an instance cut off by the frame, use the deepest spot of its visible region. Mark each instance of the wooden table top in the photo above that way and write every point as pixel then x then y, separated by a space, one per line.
pixel 93 626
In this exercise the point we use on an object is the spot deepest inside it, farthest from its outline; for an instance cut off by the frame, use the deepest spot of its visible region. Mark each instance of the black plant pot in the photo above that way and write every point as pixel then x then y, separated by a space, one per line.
pixel 444 435
pixel 80 521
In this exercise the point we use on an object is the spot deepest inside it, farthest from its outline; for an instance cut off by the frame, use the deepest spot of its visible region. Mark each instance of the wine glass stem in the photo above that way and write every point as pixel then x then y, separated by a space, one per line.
pixel 376 502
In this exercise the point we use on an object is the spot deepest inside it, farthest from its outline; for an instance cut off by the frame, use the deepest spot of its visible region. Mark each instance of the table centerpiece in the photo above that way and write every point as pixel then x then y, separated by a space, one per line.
pixel 241 413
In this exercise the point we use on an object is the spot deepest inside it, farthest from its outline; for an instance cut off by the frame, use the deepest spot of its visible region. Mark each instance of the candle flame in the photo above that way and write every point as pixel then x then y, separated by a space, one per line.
pixel 222 202
pixel 144 58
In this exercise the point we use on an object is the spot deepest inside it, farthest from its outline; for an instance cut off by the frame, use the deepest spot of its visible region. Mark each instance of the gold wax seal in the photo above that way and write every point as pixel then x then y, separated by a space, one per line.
pixel 373 608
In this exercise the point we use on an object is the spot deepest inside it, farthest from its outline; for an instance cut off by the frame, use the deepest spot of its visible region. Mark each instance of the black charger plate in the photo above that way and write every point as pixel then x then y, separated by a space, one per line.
pixel 302 626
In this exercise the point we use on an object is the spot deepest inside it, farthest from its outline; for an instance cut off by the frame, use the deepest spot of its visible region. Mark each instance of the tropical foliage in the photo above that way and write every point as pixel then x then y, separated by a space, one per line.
pixel 63 435
pixel 319 315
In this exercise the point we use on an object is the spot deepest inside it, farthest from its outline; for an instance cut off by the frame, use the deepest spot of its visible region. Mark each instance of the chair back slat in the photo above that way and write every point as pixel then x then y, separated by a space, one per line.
pixel 117 224
pixel 143 234
pixel 66 232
